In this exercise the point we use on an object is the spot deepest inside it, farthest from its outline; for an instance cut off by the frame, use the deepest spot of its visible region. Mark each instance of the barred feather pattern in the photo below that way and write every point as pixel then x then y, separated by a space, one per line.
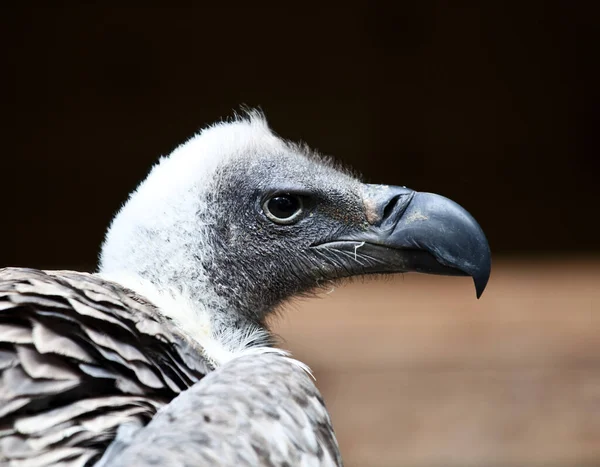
pixel 93 374
pixel 257 410
pixel 79 357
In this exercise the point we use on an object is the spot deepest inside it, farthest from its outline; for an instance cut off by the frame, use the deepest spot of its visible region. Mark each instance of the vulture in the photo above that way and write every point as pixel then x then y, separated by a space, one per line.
pixel 163 356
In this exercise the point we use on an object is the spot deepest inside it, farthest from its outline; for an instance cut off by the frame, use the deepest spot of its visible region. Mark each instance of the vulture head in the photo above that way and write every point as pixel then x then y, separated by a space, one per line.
pixel 237 220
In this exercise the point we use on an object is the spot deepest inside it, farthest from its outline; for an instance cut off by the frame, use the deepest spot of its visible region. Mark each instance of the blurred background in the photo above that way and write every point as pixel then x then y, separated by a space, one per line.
pixel 494 105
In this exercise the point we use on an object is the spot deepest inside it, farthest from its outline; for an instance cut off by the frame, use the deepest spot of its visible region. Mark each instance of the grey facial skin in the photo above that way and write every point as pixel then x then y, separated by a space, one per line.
pixel 346 228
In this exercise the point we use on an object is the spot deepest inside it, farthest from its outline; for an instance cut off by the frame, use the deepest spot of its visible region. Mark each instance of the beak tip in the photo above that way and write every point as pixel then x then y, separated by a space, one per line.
pixel 479 288
pixel 481 281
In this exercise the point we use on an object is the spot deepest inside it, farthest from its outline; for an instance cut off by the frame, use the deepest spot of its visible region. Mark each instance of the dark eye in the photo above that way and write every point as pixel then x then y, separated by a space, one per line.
pixel 283 209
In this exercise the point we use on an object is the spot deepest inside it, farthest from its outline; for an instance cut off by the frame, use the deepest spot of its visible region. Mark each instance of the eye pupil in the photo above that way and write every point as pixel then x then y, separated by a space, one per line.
pixel 283 208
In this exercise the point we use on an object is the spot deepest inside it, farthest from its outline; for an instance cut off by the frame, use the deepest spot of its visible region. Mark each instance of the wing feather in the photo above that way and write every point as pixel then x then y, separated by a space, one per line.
pixel 80 356
pixel 254 410
pixel 86 364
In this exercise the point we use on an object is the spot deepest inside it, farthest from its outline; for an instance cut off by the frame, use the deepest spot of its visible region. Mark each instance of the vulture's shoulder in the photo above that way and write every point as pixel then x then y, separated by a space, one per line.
pixel 262 409
pixel 78 357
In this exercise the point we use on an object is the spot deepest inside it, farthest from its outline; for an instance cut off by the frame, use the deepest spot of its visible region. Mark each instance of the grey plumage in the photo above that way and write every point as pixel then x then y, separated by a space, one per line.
pixel 75 347
pixel 82 356
pixel 256 410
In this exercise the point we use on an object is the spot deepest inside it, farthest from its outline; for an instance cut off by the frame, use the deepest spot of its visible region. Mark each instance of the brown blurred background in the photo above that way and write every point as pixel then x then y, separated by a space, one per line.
pixel 493 104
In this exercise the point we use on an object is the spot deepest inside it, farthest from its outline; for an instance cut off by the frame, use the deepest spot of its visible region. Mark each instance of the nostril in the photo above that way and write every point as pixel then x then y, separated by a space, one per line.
pixel 385 204
pixel 389 207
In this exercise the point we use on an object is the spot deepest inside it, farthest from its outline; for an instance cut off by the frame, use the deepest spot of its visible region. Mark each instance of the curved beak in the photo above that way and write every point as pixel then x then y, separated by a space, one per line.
pixel 422 232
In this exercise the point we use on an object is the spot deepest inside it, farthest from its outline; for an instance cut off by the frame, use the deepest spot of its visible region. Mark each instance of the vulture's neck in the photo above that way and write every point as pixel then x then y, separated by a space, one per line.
pixel 159 245
pixel 222 331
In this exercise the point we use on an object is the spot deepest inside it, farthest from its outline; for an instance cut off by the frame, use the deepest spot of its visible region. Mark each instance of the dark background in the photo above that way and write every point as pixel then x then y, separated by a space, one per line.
pixel 495 106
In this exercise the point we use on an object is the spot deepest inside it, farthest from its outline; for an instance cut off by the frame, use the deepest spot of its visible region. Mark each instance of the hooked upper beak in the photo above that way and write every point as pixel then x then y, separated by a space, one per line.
pixel 422 232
